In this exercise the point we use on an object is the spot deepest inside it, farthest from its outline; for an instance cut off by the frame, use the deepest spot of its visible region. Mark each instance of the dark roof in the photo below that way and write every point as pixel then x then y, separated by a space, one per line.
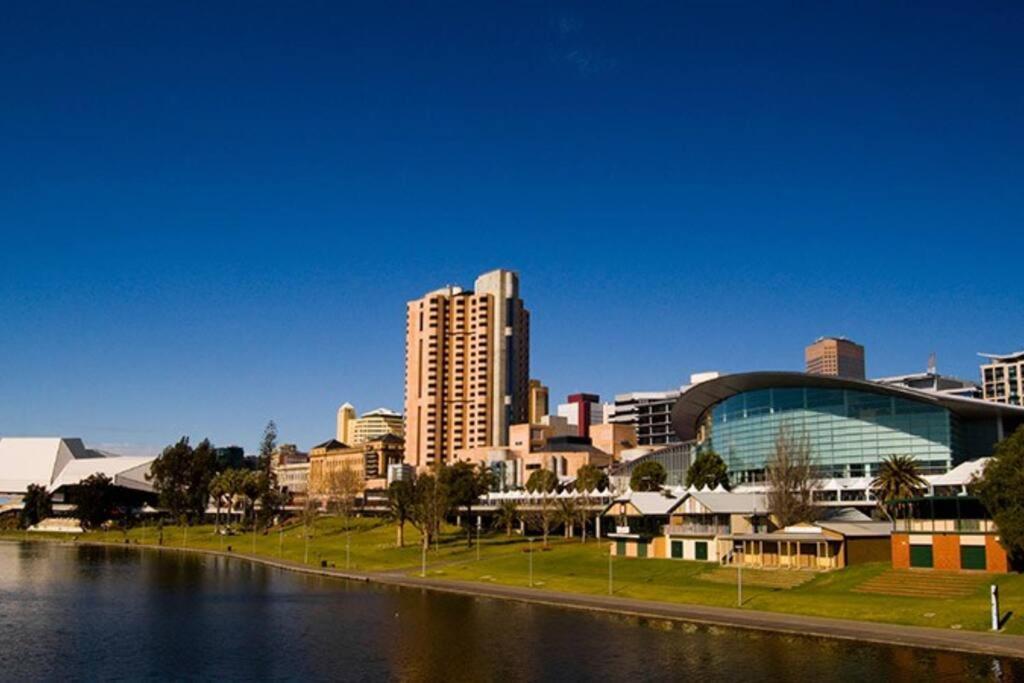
pixel 390 438
pixel 698 398
pixel 331 445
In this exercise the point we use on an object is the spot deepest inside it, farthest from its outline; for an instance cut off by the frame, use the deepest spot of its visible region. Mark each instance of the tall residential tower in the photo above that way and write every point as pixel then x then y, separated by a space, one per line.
pixel 467 360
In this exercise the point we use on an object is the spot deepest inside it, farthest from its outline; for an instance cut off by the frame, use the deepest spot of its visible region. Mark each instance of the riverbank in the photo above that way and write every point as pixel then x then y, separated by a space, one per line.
pixel 443 580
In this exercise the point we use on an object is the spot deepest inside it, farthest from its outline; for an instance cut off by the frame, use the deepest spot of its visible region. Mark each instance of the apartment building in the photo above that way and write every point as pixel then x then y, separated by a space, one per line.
pixel 1002 378
pixel 467 368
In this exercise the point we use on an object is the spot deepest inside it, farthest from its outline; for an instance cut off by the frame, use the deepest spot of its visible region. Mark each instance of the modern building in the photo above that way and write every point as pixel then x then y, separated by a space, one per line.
pixel 370 461
pixel 650 413
pixel 850 425
pixel 291 470
pixel 375 424
pixel 582 411
pixel 538 402
pixel 835 357
pixel 467 368
pixel 934 382
pixel 1002 378
pixel 346 423
pixel 675 459
pixel 229 457
pixel 950 533
pixel 60 464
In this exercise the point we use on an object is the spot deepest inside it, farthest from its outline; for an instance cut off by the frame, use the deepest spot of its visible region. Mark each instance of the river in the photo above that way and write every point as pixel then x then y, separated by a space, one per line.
pixel 88 613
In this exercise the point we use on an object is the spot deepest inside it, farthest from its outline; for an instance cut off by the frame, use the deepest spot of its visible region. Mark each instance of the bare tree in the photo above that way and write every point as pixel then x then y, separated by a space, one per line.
pixel 791 479
pixel 344 484
pixel 542 515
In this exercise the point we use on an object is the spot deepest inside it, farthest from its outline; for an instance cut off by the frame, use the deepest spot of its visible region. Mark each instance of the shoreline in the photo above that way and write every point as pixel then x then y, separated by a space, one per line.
pixel 878 633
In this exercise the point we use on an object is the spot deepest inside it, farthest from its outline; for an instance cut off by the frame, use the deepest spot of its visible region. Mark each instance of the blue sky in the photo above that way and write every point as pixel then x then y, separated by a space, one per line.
pixel 212 214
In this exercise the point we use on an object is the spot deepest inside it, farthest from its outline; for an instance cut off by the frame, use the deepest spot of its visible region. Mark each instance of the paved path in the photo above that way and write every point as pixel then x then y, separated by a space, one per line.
pixel 976 642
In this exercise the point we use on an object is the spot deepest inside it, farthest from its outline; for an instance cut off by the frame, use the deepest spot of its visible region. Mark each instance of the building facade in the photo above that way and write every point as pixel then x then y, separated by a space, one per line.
pixel 369 461
pixel 467 368
pixel 582 411
pixel 375 424
pixel 835 357
pixel 538 401
pixel 650 413
pixel 1002 378
pixel 346 423
pixel 850 426
pixel 950 533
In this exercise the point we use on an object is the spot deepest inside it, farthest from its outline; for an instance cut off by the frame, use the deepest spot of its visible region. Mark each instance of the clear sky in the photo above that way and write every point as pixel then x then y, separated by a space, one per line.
pixel 212 213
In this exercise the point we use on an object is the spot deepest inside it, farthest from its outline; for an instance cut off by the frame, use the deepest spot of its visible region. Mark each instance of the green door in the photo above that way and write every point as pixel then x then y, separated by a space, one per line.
pixel 620 548
pixel 641 549
pixel 921 556
pixel 677 550
pixel 972 557
pixel 701 550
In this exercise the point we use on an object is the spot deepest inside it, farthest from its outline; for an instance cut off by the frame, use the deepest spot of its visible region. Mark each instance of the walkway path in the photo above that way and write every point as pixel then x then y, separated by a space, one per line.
pixel 975 642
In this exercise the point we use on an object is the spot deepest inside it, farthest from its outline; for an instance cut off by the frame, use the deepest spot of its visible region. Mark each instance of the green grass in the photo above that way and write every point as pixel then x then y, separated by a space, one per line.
pixel 574 567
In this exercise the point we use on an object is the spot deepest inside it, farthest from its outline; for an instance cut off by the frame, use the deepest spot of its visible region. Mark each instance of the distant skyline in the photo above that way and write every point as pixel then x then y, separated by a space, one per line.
pixel 212 219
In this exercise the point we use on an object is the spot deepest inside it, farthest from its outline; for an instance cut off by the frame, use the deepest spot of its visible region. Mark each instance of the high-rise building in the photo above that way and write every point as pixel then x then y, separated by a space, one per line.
pixel 375 424
pixel 1002 378
pixel 581 411
pixel 650 412
pixel 538 402
pixel 346 423
pixel 835 356
pixel 467 368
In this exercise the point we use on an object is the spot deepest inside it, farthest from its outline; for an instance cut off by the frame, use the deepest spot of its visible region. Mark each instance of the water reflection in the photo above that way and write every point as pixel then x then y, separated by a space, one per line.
pixel 112 613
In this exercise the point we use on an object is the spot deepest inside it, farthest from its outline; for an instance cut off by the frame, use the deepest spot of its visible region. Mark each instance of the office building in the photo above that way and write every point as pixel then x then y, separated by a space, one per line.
pixel 1002 378
pixel 467 368
pixel 850 425
pixel 934 382
pixel 835 357
pixel 346 423
pixel 375 424
pixel 370 461
pixel 581 411
pixel 650 413
pixel 538 401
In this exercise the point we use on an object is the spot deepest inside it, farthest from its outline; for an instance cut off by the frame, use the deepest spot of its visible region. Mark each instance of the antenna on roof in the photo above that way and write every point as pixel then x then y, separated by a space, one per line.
pixel 932 364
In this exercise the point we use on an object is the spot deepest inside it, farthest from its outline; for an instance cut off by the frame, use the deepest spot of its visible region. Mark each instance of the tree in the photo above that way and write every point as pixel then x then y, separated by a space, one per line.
pixel 1001 490
pixel 542 480
pixel 267 445
pixel 94 500
pixel 344 484
pixel 543 514
pixel 708 469
pixel 431 506
pixel 898 478
pixel 36 506
pixel 253 485
pixel 567 514
pixel 591 478
pixel 218 490
pixel 181 476
pixel 466 483
pixel 791 480
pixel 507 515
pixel 401 498
pixel 648 476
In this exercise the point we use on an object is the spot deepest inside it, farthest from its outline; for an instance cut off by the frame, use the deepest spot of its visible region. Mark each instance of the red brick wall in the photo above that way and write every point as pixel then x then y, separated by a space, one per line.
pixel 995 556
pixel 900 551
pixel 946 552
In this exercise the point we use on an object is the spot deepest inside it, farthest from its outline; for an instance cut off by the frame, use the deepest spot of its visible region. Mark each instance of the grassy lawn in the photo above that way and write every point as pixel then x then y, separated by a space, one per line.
pixel 871 592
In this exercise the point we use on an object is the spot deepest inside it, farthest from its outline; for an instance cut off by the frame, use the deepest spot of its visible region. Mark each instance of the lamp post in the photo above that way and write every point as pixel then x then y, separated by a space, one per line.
pixel 305 533
pixel 739 578
pixel 423 546
pixel 280 542
pixel 530 542
pixel 348 548
pixel 610 577
pixel 478 538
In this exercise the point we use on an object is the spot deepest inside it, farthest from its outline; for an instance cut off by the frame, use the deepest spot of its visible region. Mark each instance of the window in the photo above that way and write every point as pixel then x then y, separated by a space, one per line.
pixel 677 550
pixel 641 549
pixel 701 550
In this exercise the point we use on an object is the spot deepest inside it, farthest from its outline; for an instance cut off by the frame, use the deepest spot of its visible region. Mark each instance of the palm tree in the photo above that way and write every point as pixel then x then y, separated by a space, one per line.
pixel 507 515
pixel 898 478
pixel 218 489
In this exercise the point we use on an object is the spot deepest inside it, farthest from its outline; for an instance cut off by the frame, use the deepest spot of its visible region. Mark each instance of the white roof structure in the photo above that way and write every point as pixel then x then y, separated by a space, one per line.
pixel 54 462
pixel 961 475
pixel 728 502
pixel 651 502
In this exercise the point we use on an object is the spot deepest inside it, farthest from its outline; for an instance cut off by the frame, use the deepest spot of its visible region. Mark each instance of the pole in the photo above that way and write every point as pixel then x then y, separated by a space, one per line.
pixel 254 534
pixel 305 533
pixel 478 539
pixel 530 541
pixel 348 549
pixel 423 547
pixel 995 607
pixel 739 581
pixel 280 542
pixel 610 579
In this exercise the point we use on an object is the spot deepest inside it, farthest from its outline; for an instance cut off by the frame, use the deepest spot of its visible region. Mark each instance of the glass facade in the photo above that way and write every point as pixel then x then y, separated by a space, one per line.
pixel 850 432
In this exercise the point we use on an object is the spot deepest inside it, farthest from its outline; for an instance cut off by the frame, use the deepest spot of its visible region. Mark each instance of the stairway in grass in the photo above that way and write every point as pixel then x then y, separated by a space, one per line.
pixel 924 584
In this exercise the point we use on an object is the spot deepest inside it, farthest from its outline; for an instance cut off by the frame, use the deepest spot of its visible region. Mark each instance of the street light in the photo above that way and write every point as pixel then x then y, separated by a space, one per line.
pixel 610 579
pixel 739 577
pixel 478 539
pixel 530 541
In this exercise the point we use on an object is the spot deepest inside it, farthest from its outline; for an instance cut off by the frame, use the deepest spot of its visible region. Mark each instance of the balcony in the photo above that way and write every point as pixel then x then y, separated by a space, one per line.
pixel 945 526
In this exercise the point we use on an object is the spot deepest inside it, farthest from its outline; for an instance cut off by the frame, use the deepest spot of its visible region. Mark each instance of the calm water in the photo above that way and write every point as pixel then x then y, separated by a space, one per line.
pixel 118 614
